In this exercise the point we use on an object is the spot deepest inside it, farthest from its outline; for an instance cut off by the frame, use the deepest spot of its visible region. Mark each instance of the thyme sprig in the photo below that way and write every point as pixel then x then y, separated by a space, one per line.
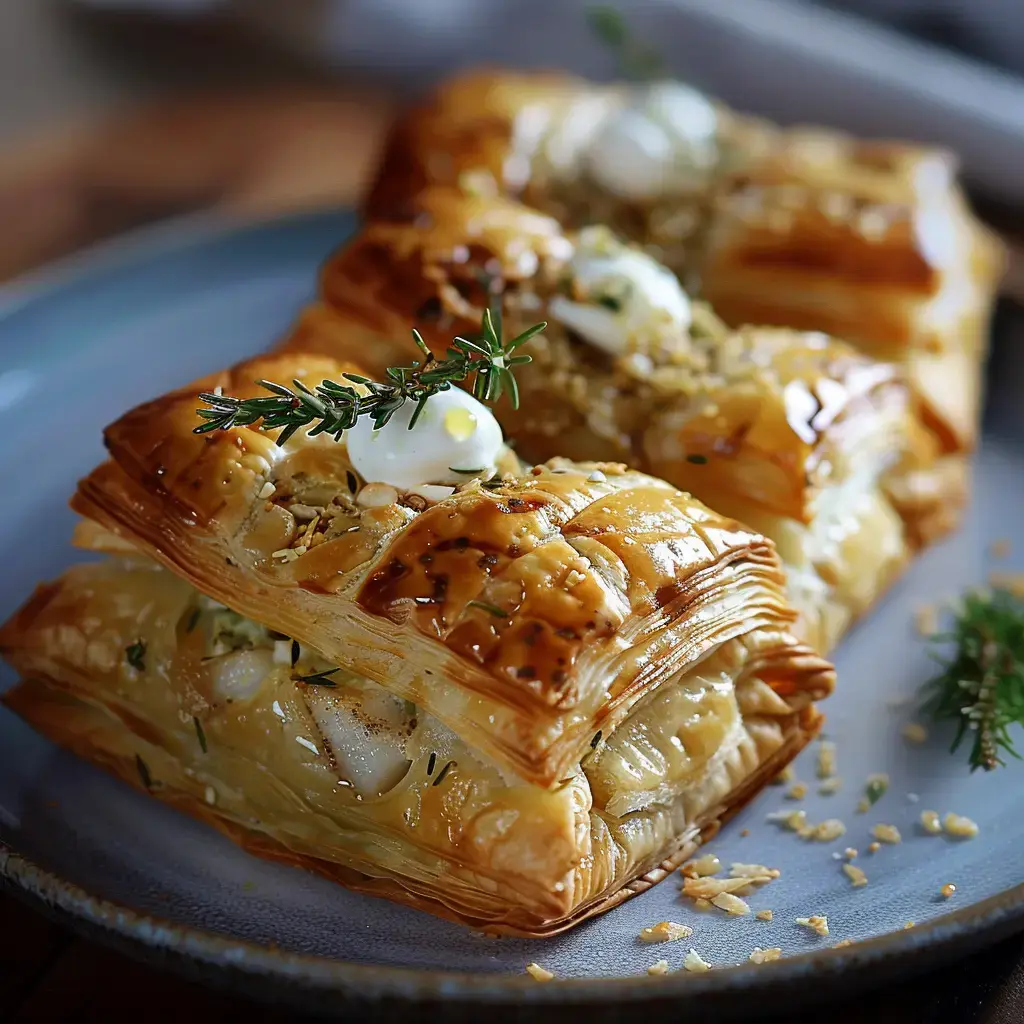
pixel 981 686
pixel 635 59
pixel 332 407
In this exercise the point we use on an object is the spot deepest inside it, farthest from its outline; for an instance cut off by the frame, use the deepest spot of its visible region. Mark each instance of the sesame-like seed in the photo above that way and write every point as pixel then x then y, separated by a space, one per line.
pixel 958 825
pixel 665 931
pixel 538 973
pixel 887 833
pixel 855 875
pixel 914 732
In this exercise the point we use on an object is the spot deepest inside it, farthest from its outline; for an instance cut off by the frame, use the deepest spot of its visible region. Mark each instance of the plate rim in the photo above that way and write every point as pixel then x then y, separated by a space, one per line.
pixel 187 948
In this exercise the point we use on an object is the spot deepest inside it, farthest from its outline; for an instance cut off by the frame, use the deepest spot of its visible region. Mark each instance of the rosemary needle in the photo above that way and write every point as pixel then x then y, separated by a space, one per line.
pixel 981 686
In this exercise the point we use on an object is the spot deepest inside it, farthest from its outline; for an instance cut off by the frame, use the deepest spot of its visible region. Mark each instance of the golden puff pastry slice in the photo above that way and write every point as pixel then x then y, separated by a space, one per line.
pixel 528 615
pixel 804 227
pixel 300 760
pixel 795 432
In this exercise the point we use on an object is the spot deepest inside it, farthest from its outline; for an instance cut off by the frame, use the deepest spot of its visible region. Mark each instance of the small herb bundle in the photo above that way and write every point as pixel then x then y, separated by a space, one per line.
pixel 981 686
pixel 636 60
pixel 332 407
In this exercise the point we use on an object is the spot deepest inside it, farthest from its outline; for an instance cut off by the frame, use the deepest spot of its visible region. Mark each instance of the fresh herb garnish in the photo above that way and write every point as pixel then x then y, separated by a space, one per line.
pixel 697 460
pixel 636 59
pixel 610 302
pixel 332 408
pixel 143 770
pixel 494 610
pixel 136 655
pixel 875 788
pixel 597 739
pixel 443 772
pixel 296 651
pixel 199 733
pixel 318 678
pixel 981 686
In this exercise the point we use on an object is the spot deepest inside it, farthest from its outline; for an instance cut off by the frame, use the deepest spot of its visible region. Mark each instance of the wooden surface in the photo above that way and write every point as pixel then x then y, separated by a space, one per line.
pixel 261 153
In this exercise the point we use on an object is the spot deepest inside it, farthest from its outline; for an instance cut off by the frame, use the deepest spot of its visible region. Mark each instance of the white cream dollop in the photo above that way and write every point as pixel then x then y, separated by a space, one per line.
pixel 453 432
pixel 662 142
pixel 620 294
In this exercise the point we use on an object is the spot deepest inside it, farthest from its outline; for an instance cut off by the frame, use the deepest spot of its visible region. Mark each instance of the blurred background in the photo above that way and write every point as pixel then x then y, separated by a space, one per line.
pixel 116 113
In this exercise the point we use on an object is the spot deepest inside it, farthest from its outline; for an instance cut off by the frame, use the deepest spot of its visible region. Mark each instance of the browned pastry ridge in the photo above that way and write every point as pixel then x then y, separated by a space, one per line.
pixel 513 706
pixel 801 436
pixel 808 228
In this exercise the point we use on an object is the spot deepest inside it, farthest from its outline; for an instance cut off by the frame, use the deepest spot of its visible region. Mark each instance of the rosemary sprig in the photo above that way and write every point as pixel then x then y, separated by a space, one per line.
pixel 636 59
pixel 332 407
pixel 981 686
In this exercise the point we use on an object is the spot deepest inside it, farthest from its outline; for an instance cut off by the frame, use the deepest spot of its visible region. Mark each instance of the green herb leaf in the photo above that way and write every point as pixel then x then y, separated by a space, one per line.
pixel 199 733
pixel 610 302
pixel 319 678
pixel 431 761
pixel 697 460
pixel 136 655
pixel 981 685
pixel 498 613
pixel 635 59
pixel 875 788
pixel 443 772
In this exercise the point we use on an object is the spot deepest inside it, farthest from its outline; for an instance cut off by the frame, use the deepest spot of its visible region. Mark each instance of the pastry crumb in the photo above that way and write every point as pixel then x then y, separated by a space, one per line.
pixel 665 931
pixel 755 872
pixel 887 834
pixel 874 847
pixel 948 889
pixel 856 876
pixel 538 973
pixel 764 915
pixel 694 963
pixel 960 826
pixel 842 943
pixel 709 888
pixel 731 904
pixel 930 822
pixel 797 791
pixel 830 786
pixel 825 831
pixel 661 967
pixel 826 759
pixel 793 820
pixel 908 925
pixel 788 774
pixel 914 732
pixel 863 805
pixel 817 923
pixel 850 853
pixel 764 956
pixel 701 904
pixel 709 864
pixel 745 833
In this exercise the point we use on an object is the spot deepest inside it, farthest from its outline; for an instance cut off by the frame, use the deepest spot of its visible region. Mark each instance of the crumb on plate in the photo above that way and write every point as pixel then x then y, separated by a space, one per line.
pixel 665 931
pixel 797 791
pixel 661 967
pixel 708 864
pixel 764 915
pixel 959 826
pixel 931 822
pixel 830 786
pixel 856 875
pixel 948 889
pixel 731 904
pixel 764 956
pixel 694 963
pixel 826 759
pixel 914 732
pixel 538 973
pixel 817 923
pixel 887 833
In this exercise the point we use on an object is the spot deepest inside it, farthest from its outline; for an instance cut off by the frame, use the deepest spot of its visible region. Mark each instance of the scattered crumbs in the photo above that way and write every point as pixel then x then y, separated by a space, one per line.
pixel 709 888
pixel 926 620
pixel 797 791
pixel 930 822
pixel 825 831
pixel 850 853
pixel 695 964
pixel 913 798
pixel 826 759
pixel 764 956
pixel 830 786
pixel 731 904
pixel 948 889
pixel 757 872
pixel 267 490
pixel 887 834
pixel 764 915
pixel 793 820
pixel 856 876
pixel 818 923
pixel 661 967
pixel 1000 548
pixel 665 931
pixel 908 925
pixel 843 943
pixel 709 864
pixel 874 847
pixel 788 774
pixel 958 825
pixel 538 973
pixel 914 732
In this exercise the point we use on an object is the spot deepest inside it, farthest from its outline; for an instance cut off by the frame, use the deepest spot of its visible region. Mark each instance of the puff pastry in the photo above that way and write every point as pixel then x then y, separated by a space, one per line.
pixel 799 435
pixel 802 227
pixel 514 706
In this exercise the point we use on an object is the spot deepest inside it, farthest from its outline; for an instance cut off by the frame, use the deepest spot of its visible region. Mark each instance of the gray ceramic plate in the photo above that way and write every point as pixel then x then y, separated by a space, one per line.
pixel 81 344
